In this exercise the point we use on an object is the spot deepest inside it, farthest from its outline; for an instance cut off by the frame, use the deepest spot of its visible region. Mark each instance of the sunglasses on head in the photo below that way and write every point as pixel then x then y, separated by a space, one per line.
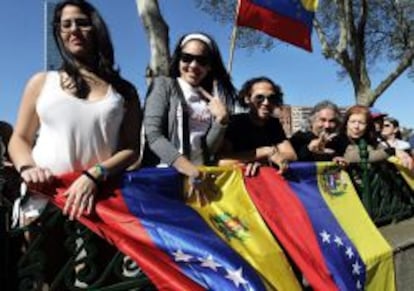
pixel 272 99
pixel 200 59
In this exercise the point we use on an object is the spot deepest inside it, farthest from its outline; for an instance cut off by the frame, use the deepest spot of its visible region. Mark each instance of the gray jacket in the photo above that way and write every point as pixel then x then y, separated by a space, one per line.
pixel 162 129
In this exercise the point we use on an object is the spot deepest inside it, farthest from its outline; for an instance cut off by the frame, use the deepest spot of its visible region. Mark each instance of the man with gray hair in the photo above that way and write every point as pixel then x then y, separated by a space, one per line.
pixel 318 143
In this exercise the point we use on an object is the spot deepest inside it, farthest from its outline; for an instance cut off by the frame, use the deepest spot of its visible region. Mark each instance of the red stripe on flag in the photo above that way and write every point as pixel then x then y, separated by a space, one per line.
pixel 288 220
pixel 274 24
pixel 113 222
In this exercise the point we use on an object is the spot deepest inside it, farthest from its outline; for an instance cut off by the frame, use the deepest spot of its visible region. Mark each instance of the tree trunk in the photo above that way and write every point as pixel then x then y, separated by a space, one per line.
pixel 348 47
pixel 157 33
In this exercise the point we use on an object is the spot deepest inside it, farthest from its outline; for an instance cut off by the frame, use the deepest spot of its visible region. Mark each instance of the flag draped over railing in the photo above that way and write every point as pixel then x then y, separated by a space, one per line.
pixel 405 173
pixel 287 20
pixel 229 244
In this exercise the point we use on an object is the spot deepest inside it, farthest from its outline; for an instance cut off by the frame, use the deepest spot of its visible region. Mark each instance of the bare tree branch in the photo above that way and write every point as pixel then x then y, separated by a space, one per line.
pixel 405 63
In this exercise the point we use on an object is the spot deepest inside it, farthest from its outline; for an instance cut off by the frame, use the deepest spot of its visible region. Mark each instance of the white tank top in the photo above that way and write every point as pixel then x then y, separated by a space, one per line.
pixel 75 133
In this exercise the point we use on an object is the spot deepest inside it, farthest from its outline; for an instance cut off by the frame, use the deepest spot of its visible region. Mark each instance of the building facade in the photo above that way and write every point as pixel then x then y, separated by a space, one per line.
pixel 295 118
pixel 52 58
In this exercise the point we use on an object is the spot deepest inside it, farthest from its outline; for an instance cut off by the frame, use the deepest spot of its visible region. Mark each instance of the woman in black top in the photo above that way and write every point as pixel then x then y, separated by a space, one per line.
pixel 257 137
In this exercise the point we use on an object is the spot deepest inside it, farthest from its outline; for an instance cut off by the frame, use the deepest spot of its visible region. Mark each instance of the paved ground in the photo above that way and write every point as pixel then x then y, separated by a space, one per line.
pixel 401 238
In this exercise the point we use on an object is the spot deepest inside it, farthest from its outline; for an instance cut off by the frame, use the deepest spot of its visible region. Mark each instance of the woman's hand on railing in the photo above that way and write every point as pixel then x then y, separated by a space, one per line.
pixel 278 160
pixel 35 177
pixel 340 161
pixel 202 188
pixel 80 197
pixel 251 169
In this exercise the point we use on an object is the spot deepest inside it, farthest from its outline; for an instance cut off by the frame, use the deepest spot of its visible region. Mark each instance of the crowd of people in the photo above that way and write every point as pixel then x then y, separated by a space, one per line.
pixel 86 118
pixel 332 137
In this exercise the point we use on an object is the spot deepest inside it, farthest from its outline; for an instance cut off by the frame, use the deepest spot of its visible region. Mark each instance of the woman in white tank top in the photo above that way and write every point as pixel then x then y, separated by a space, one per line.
pixel 85 116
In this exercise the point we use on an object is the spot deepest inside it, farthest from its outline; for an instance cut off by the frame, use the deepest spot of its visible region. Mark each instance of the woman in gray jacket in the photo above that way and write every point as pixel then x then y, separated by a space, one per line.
pixel 186 114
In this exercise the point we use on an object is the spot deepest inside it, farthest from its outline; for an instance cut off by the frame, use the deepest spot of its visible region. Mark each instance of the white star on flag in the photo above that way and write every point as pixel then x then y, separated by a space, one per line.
pixel 209 263
pixel 349 252
pixel 236 277
pixel 338 241
pixel 326 237
pixel 359 285
pixel 356 268
pixel 179 256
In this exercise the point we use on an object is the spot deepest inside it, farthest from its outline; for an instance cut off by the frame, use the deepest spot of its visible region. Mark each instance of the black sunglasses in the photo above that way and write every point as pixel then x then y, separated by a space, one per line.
pixel 272 99
pixel 200 59
pixel 81 23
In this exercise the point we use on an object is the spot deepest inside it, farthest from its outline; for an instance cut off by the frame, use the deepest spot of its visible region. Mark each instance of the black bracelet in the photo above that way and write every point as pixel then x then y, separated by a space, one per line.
pixel 196 180
pixel 24 168
pixel 390 151
pixel 91 177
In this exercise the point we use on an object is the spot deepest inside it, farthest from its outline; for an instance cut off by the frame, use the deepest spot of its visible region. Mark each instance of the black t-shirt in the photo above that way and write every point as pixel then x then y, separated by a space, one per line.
pixel 300 141
pixel 244 135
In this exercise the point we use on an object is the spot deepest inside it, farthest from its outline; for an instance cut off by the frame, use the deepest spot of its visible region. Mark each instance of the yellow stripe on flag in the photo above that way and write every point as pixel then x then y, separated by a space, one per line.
pixel 233 216
pixel 340 195
pixel 310 5
pixel 406 173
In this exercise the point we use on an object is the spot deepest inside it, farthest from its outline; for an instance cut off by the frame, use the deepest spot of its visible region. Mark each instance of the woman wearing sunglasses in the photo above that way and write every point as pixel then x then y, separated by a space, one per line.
pixel 257 138
pixel 186 115
pixel 83 117
pixel 392 134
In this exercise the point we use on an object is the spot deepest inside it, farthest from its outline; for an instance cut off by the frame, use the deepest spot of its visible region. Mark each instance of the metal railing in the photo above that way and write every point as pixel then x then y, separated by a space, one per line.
pixel 64 255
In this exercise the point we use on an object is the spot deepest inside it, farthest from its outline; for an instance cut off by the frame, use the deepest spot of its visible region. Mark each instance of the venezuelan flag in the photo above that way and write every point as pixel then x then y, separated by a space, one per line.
pixel 315 214
pixel 341 198
pixel 343 224
pixel 145 218
pixel 288 219
pixel 236 220
pixel 288 20
pixel 406 173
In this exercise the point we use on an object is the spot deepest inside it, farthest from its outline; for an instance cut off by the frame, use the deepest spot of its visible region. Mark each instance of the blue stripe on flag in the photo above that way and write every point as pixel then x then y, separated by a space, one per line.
pixel 290 8
pixel 342 258
pixel 153 196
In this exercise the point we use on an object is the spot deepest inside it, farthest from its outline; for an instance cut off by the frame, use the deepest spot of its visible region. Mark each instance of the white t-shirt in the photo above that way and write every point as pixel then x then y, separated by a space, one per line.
pixel 398 144
pixel 75 133
pixel 199 119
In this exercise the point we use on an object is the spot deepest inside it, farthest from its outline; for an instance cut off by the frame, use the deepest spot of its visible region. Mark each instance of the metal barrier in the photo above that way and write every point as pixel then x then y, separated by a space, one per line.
pixel 383 191
pixel 65 255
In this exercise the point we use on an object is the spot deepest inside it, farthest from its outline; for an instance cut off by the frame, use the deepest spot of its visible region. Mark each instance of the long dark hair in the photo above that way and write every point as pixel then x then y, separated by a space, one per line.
pixel 101 61
pixel 218 71
pixel 246 90
pixel 395 124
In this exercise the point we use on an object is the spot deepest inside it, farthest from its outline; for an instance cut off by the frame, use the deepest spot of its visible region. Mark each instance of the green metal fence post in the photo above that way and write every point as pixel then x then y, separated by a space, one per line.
pixel 366 195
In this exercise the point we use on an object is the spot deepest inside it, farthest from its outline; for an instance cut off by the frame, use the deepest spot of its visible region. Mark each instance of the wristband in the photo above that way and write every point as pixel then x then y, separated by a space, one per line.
pixel 102 171
pixel 195 180
pixel 24 168
pixel 91 177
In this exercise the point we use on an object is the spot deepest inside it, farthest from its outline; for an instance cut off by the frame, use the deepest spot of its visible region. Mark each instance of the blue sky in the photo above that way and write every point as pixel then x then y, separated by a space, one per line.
pixel 306 78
